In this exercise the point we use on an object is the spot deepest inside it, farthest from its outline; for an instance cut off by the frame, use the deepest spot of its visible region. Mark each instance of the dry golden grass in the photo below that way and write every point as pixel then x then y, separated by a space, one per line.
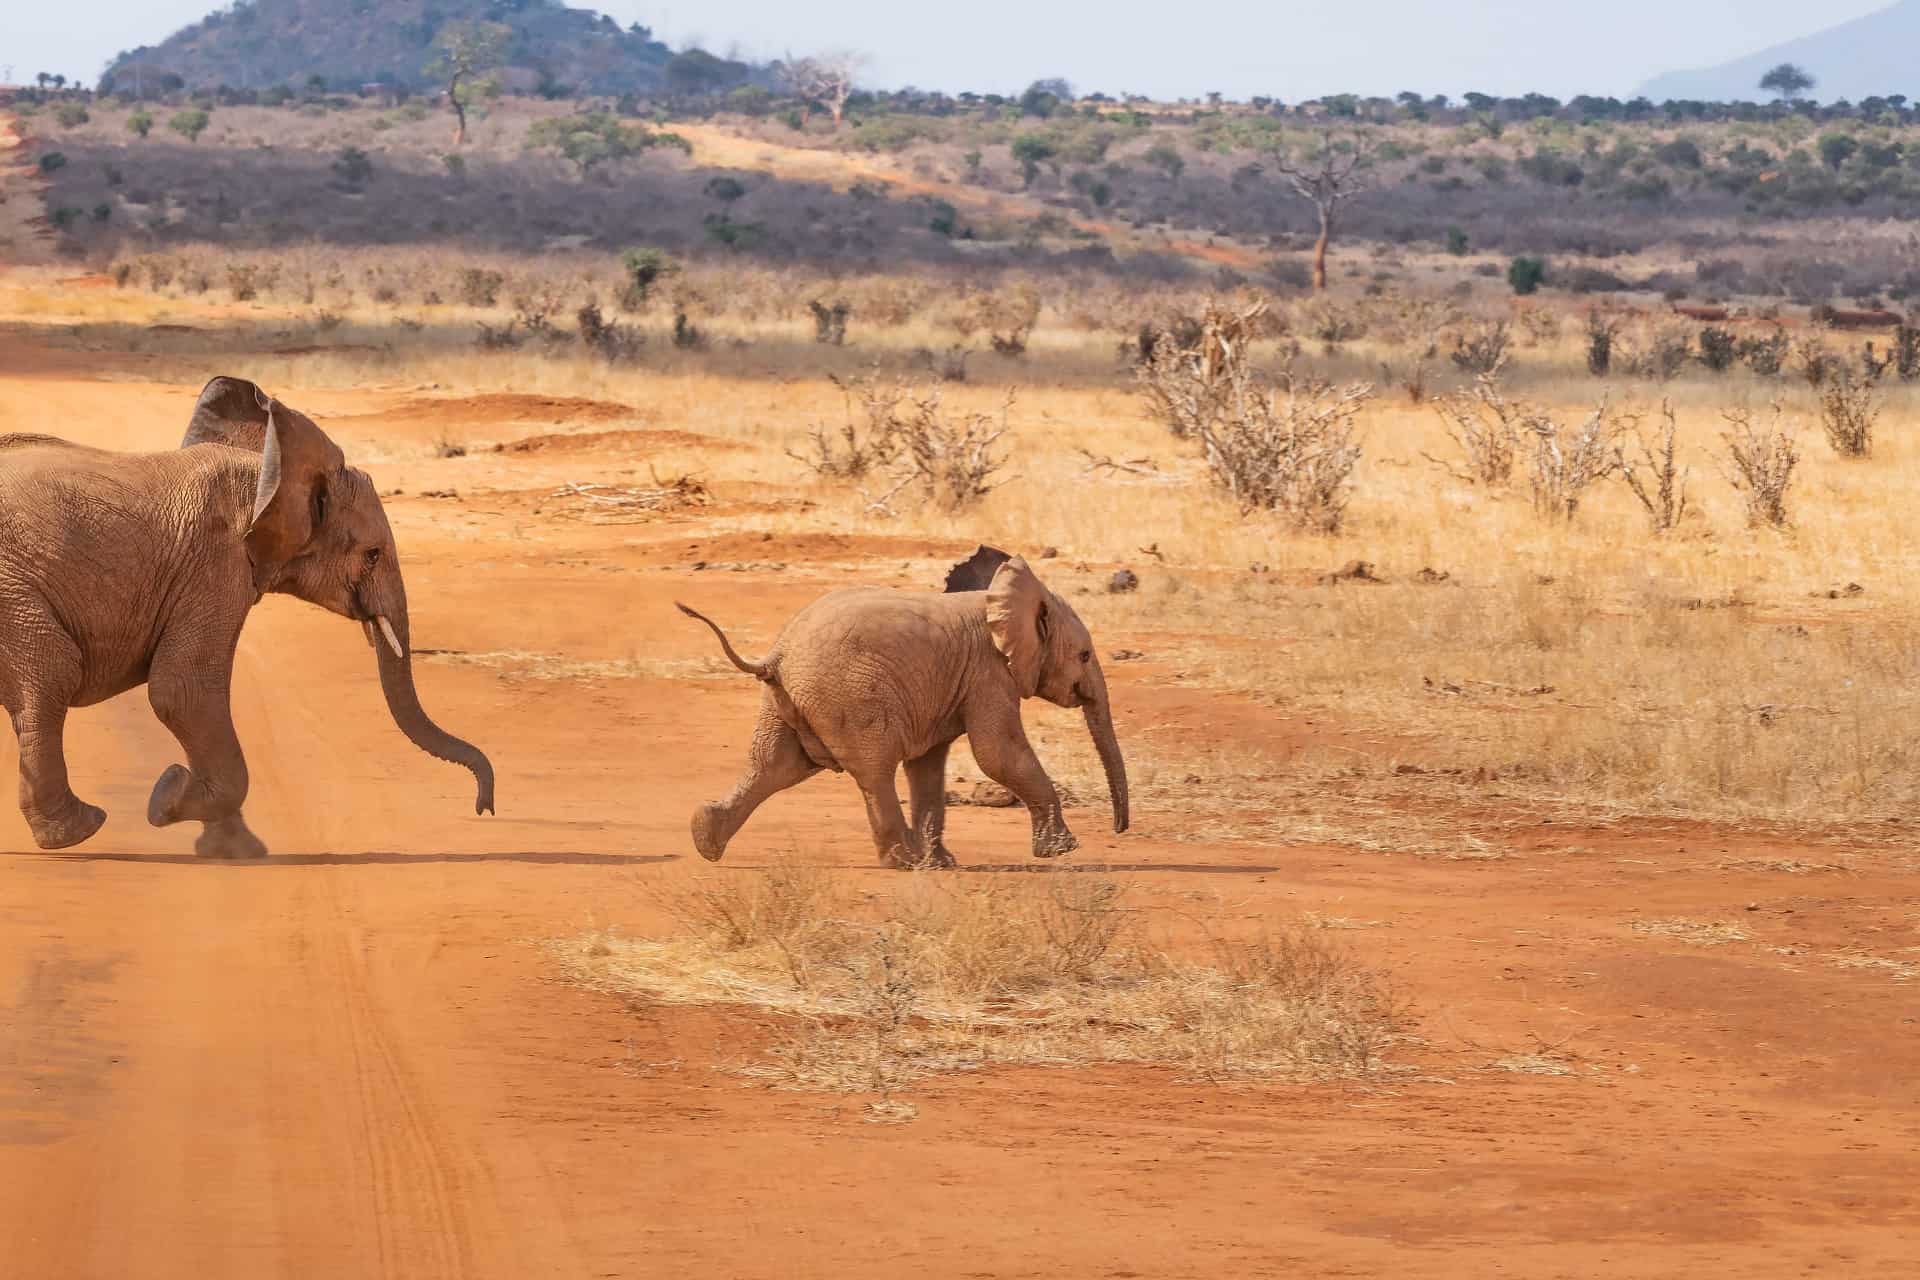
pixel 942 974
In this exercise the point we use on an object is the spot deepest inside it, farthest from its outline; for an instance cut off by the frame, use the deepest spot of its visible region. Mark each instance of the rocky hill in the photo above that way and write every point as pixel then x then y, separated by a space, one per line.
pixel 257 44
pixel 1871 56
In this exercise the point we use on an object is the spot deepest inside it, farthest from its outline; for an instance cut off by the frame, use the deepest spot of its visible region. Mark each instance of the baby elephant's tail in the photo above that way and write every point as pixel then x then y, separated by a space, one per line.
pixel 758 670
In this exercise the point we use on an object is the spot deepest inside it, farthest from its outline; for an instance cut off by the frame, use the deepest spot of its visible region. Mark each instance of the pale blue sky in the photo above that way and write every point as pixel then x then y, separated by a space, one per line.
pixel 1240 47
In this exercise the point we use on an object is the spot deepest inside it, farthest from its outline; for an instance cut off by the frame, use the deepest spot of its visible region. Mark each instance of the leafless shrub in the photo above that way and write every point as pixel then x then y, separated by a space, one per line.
pixel 1187 366
pixel 908 438
pixel 1760 462
pixel 1290 447
pixel 868 439
pixel 1766 356
pixel 1331 324
pixel 1815 362
pixel 830 322
pixel 1850 406
pixel 612 341
pixel 1486 426
pixel 952 460
pixel 1567 461
pixel 687 335
pixel 949 365
pixel 1409 375
pixel 1600 335
pixel 1657 353
pixel 1481 349
pixel 1653 474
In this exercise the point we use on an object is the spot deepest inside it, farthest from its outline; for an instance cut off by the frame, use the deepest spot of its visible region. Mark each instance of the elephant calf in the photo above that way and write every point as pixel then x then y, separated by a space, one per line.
pixel 118 570
pixel 864 680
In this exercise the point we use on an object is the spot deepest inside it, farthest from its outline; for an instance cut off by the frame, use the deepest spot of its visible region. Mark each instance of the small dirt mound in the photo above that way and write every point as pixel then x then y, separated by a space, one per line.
pixel 504 407
pixel 614 442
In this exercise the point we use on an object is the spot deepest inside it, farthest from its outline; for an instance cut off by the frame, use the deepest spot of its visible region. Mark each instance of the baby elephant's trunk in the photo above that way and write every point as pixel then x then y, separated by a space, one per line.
pixel 758 670
pixel 1099 713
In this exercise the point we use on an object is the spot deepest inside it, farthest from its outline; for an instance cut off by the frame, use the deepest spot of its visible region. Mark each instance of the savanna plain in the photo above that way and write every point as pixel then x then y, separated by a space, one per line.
pixel 1522 871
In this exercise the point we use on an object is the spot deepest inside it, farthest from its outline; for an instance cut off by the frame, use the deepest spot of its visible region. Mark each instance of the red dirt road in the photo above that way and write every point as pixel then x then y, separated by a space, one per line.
pixel 355 1059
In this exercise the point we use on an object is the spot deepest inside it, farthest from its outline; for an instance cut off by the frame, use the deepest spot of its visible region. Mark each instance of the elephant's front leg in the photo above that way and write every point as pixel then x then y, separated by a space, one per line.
pixel 191 701
pixel 58 818
pixel 1001 749
pixel 927 787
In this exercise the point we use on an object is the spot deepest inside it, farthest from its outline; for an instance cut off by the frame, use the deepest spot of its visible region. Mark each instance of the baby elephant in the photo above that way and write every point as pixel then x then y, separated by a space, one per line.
pixel 865 679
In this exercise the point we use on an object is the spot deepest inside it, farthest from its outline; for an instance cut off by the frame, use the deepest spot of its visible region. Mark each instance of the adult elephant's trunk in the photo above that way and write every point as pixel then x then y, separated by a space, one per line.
pixel 1099 712
pixel 389 634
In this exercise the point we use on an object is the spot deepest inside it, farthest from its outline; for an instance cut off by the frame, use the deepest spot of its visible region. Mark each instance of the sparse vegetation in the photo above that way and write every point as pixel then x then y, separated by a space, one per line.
pixel 1048 970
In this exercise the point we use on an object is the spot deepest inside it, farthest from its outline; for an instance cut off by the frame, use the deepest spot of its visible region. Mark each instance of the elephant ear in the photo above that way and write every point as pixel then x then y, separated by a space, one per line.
pixel 231 411
pixel 297 466
pixel 975 573
pixel 1019 617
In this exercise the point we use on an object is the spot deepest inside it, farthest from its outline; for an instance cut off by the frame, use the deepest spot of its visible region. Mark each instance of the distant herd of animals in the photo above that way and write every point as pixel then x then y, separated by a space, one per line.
pixel 119 570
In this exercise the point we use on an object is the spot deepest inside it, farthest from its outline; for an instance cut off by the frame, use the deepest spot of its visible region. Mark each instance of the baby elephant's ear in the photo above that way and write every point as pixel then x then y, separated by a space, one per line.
pixel 975 573
pixel 231 411
pixel 1019 617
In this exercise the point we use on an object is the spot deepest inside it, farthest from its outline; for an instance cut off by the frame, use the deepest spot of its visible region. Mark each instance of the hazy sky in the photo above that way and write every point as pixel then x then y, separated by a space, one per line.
pixel 1239 47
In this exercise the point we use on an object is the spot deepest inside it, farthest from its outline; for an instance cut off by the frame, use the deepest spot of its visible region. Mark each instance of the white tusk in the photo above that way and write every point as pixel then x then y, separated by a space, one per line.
pixel 393 641
pixel 371 642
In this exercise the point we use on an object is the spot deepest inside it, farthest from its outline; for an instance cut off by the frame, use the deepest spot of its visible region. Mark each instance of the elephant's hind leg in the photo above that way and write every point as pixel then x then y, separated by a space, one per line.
pixel 898 844
pixel 927 785
pixel 58 818
pixel 775 761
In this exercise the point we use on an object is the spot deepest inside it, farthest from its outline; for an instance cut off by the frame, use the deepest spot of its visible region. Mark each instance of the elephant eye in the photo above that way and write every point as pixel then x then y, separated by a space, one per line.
pixel 373 556
pixel 1086 655
pixel 319 505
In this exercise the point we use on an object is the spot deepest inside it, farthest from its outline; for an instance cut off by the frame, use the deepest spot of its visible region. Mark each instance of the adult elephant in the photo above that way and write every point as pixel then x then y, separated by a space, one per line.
pixel 118 570
pixel 865 680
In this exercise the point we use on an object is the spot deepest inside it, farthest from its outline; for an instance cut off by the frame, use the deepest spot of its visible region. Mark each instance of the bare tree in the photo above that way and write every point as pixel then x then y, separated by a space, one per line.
pixel 465 56
pixel 1331 172
pixel 824 78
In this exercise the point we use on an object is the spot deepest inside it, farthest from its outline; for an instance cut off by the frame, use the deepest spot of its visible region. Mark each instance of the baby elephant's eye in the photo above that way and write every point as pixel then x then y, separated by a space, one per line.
pixel 1086 655
pixel 373 556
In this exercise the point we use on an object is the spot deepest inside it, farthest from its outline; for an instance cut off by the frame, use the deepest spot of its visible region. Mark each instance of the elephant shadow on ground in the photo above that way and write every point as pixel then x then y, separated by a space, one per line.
pixel 372 858
pixel 1117 868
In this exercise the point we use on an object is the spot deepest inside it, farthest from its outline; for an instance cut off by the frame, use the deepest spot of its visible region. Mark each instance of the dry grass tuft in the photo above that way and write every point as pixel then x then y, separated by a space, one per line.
pixel 1700 933
pixel 1048 968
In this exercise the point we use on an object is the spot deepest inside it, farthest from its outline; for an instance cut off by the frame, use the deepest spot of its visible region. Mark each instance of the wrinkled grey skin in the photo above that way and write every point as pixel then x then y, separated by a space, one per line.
pixel 864 680
pixel 118 570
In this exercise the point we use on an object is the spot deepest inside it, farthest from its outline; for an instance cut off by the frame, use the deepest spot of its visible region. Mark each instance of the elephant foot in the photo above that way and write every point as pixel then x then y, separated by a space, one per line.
pixel 163 805
pixel 75 826
pixel 709 822
pixel 916 856
pixel 1052 844
pixel 229 840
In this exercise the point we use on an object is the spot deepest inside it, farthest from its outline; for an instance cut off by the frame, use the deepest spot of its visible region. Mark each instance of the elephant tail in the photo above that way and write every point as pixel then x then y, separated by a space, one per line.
pixel 758 670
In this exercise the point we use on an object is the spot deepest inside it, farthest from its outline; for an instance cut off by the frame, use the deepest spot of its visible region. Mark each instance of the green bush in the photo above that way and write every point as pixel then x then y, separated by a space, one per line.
pixel 645 266
pixel 1457 242
pixel 71 115
pixel 1030 151
pixel 140 122
pixel 1526 275
pixel 593 138
pixel 51 161
pixel 189 124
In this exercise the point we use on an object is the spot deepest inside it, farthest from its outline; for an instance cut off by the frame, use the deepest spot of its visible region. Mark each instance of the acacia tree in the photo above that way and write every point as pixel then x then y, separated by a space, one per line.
pixel 824 78
pixel 1786 82
pixel 466 54
pixel 1331 172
